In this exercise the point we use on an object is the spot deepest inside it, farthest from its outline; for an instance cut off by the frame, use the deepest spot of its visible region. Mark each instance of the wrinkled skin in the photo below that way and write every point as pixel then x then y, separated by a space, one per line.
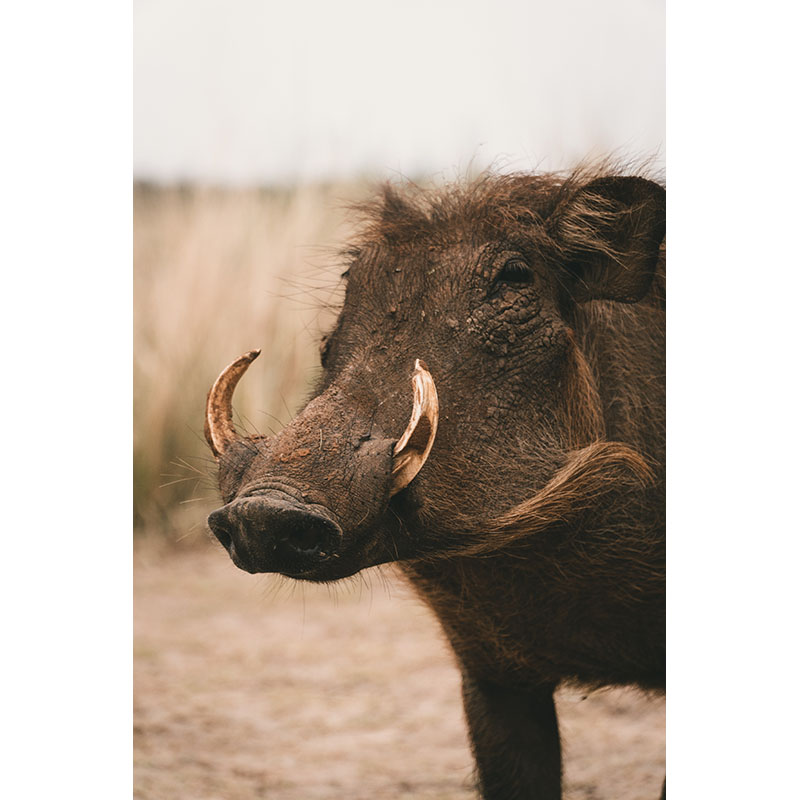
pixel 535 530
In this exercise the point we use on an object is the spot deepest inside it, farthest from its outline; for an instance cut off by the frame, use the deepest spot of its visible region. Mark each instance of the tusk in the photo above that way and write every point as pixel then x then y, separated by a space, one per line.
pixel 412 450
pixel 219 429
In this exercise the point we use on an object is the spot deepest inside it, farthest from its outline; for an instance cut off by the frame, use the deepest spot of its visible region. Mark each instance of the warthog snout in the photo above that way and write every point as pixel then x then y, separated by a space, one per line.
pixel 272 532
pixel 528 514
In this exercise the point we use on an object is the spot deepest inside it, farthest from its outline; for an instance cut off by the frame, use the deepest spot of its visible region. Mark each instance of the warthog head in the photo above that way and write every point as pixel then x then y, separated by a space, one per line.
pixel 455 405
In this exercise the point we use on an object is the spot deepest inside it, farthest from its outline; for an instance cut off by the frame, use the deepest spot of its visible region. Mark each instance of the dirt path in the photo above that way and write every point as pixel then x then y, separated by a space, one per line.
pixel 253 686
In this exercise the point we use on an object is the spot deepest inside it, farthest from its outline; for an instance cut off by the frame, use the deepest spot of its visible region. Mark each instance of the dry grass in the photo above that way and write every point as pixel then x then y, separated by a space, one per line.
pixel 216 273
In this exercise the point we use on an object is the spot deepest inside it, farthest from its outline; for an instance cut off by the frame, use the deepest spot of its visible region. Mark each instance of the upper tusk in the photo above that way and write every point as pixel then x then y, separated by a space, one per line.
pixel 413 447
pixel 219 429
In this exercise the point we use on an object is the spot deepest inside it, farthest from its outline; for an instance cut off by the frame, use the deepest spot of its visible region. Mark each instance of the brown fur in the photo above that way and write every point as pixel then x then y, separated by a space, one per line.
pixel 535 530
pixel 578 488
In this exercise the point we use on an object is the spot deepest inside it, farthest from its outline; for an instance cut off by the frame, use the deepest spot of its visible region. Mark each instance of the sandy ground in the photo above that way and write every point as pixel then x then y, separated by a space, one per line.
pixel 254 686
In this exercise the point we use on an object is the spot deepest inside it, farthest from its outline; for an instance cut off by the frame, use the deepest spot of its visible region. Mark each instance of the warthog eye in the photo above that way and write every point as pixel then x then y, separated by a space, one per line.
pixel 515 270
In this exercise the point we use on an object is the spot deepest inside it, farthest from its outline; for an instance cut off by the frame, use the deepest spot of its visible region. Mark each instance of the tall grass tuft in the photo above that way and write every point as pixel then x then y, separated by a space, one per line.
pixel 218 272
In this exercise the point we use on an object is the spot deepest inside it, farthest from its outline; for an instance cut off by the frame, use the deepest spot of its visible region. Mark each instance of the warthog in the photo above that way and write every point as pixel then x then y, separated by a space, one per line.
pixel 520 320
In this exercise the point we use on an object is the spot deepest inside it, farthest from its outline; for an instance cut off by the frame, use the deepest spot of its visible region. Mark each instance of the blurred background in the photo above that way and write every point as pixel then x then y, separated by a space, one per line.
pixel 255 123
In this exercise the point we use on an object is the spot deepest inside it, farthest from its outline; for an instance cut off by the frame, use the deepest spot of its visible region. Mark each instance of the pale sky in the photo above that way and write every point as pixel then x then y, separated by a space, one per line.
pixel 247 91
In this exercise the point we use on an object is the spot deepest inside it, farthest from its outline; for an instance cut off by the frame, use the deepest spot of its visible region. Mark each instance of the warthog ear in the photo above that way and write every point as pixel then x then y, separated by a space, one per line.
pixel 609 234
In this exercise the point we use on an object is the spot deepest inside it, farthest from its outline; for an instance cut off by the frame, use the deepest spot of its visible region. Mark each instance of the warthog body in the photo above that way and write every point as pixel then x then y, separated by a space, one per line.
pixel 525 498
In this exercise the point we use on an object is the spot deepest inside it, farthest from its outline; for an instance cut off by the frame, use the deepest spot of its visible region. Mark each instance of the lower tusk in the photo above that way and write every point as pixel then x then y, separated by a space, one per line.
pixel 413 447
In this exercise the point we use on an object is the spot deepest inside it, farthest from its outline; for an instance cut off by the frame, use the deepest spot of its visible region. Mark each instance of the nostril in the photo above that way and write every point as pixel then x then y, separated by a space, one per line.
pixel 306 541
pixel 306 534
pixel 219 527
